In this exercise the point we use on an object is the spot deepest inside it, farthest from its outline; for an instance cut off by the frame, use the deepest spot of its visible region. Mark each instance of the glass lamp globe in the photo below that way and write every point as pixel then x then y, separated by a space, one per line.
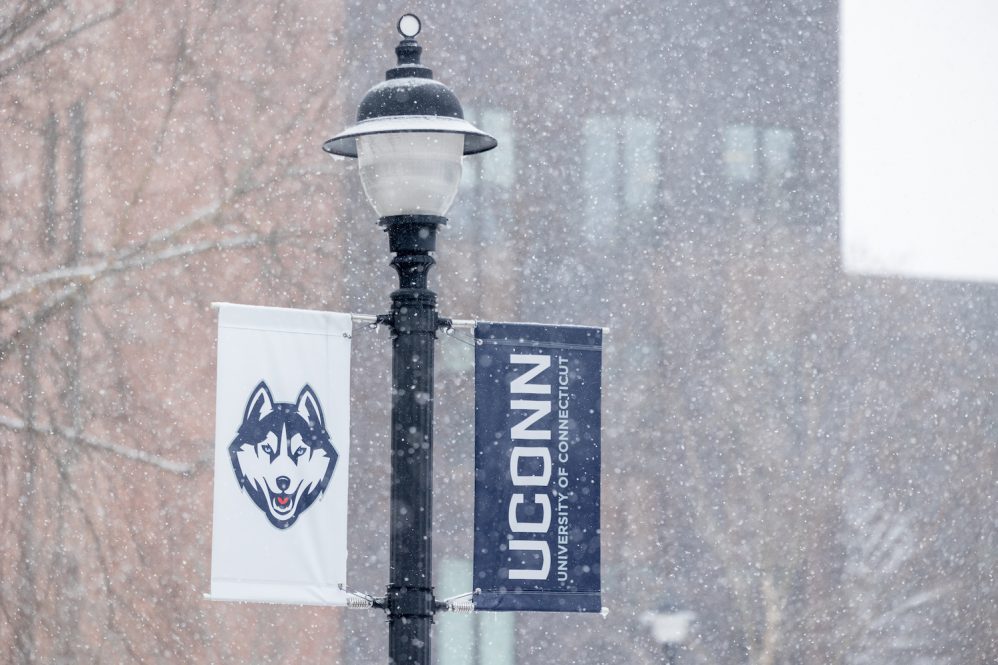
pixel 410 173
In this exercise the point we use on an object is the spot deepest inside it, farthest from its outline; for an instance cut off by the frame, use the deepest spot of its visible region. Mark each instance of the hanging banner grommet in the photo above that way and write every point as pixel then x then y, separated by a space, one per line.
pixel 537 467
pixel 282 452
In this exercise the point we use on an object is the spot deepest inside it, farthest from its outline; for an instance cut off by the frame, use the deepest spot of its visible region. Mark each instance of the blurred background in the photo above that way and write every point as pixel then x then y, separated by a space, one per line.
pixel 798 463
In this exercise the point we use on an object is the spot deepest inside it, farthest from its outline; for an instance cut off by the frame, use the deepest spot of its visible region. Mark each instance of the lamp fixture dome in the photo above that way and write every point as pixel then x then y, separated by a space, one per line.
pixel 409 100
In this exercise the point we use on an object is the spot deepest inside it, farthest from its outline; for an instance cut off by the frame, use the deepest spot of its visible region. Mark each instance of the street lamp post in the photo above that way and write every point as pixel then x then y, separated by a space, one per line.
pixel 410 139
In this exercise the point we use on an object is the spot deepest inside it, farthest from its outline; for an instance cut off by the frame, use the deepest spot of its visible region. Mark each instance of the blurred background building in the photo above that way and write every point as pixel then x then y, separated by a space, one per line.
pixel 800 459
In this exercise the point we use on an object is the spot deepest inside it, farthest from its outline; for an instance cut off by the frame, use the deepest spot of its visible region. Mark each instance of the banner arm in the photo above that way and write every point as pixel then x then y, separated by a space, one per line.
pixel 369 319
pixel 360 600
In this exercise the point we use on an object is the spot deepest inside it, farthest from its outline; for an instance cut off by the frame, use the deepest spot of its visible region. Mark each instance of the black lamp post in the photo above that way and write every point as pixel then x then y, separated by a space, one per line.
pixel 410 139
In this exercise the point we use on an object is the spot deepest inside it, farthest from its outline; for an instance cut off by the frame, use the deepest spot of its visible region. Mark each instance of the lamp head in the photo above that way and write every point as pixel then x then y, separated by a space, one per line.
pixel 410 136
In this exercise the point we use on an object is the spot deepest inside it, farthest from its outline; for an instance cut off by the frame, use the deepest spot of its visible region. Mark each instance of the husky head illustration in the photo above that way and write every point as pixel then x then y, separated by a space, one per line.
pixel 282 454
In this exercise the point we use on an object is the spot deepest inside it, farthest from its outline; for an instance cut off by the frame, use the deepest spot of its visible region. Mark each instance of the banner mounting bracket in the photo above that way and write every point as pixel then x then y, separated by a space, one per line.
pixel 361 601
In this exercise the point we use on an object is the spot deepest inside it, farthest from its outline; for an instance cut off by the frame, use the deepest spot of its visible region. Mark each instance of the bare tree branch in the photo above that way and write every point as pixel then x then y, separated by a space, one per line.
pixel 90 272
pixel 133 256
pixel 181 64
pixel 66 36
pixel 180 468
pixel 25 17
pixel 70 291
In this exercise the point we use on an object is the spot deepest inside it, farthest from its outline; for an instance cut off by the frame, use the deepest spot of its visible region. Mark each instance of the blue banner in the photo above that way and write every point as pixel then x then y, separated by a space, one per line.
pixel 537 467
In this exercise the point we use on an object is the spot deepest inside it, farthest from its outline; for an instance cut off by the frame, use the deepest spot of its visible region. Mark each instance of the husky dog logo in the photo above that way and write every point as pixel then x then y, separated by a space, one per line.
pixel 282 454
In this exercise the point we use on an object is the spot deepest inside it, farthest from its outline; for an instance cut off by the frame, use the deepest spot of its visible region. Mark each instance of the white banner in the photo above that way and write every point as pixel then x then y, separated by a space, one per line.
pixel 282 428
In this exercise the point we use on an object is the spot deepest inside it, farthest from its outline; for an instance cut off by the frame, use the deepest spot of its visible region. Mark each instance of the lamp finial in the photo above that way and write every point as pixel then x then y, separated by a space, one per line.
pixel 409 26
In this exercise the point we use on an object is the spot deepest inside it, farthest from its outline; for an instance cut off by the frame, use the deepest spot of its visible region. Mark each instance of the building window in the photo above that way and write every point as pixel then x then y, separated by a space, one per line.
pixel 600 173
pixel 740 153
pixel 749 152
pixel 641 160
pixel 778 153
pixel 470 639
pixel 497 169
pixel 487 183
pixel 620 170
